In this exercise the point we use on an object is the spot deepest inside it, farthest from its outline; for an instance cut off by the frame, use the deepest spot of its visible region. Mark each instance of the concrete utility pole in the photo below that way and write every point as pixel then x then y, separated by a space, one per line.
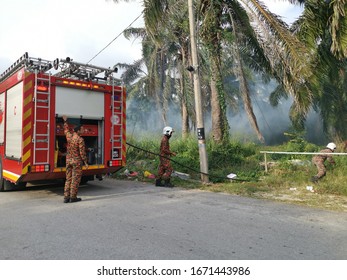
pixel 197 94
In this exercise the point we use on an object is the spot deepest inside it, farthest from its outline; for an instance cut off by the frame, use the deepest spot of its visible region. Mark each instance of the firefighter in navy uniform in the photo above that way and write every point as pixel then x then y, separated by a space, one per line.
pixel 165 168
pixel 75 157
pixel 319 160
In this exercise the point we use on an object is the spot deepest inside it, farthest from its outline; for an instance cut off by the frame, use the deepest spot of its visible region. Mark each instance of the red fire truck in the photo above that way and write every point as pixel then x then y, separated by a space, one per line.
pixel 32 103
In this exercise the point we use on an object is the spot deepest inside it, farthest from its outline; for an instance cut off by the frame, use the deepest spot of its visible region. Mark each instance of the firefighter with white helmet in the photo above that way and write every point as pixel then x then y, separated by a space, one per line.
pixel 319 160
pixel 165 169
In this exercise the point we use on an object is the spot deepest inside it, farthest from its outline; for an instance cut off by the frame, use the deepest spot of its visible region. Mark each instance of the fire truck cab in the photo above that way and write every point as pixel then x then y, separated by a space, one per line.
pixel 32 103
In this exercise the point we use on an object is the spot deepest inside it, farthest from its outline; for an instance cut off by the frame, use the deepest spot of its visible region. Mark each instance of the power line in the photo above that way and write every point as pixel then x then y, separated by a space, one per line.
pixel 176 4
pixel 115 38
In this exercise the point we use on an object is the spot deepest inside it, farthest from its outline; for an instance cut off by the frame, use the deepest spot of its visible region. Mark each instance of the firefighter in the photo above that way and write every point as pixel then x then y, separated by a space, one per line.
pixel 319 160
pixel 75 157
pixel 165 168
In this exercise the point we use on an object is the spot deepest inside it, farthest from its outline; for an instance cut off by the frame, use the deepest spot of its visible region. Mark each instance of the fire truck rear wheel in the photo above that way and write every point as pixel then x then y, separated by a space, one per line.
pixel 85 179
pixel 9 186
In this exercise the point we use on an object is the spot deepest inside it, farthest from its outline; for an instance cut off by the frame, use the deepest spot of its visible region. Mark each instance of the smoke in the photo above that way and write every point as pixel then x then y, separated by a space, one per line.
pixel 144 120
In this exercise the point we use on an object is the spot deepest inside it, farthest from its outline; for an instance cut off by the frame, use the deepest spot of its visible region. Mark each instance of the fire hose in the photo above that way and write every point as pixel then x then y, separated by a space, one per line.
pixel 188 167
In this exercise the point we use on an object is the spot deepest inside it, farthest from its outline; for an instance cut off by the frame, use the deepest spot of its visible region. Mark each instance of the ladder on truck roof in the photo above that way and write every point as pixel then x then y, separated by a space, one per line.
pixel 42 112
pixel 117 123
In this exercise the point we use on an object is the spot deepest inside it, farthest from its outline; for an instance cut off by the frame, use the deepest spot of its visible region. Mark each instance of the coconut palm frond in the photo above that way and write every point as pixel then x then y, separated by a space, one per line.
pixel 277 94
pixel 322 19
pixel 290 59
pixel 135 32
pixel 132 71
pixel 338 28
pixel 250 49
pixel 244 88
pixel 154 12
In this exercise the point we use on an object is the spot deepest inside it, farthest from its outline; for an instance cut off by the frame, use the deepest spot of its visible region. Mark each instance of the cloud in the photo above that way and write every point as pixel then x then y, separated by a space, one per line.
pixel 287 11
pixel 79 29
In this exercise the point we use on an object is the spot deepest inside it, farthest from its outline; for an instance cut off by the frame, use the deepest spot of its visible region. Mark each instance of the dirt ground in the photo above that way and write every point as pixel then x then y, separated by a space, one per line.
pixel 308 198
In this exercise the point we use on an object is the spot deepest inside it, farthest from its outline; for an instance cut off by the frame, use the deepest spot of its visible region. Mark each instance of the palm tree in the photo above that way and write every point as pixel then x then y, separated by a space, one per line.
pixel 241 75
pixel 323 27
pixel 171 39
pixel 210 32
pixel 272 47
pixel 276 49
pixel 147 83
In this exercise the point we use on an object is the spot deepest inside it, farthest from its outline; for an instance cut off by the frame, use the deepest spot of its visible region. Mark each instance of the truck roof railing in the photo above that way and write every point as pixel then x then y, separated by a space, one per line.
pixel 73 69
pixel 69 69
pixel 30 63
pixel 19 63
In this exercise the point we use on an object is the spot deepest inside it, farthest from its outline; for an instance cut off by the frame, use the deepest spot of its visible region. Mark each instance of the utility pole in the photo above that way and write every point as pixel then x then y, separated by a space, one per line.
pixel 197 95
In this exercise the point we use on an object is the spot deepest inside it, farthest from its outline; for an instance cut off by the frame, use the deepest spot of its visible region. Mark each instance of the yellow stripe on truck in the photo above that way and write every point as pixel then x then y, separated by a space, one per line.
pixel 9 175
pixel 61 169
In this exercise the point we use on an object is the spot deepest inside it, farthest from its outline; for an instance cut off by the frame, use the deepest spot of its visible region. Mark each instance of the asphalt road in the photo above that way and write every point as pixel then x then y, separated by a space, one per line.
pixel 125 220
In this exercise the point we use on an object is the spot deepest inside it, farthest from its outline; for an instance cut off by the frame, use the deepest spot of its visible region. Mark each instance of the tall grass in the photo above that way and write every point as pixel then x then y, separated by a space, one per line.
pixel 244 160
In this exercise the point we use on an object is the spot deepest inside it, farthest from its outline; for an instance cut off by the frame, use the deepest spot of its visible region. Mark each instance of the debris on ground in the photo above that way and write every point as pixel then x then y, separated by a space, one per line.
pixel 130 173
pixel 181 175
pixel 300 162
pixel 148 174
pixel 231 176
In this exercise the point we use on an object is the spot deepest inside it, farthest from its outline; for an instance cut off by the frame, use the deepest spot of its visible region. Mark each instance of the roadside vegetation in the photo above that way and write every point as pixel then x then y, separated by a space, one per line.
pixel 287 178
pixel 246 53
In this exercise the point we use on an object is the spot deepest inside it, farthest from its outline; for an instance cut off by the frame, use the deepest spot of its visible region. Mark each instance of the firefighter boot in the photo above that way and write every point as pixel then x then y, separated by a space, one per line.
pixel 168 184
pixel 158 183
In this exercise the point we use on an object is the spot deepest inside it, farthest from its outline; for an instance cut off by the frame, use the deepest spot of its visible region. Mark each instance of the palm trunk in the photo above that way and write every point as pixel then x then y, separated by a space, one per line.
pixel 185 121
pixel 247 103
pixel 220 126
pixel 216 113
pixel 211 35
pixel 161 90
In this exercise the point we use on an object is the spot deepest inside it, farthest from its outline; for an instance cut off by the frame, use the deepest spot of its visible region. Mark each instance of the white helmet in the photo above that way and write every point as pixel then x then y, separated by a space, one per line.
pixel 331 146
pixel 167 130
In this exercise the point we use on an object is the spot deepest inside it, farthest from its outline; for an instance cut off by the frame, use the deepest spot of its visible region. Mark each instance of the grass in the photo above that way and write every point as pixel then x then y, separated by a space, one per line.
pixel 286 179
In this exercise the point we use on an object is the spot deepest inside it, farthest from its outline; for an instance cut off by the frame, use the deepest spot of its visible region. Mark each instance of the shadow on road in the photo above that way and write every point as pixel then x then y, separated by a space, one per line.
pixel 93 190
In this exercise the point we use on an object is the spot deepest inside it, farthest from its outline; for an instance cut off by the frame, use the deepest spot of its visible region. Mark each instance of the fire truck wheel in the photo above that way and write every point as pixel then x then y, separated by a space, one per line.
pixel 9 186
pixel 85 179
pixel 21 185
